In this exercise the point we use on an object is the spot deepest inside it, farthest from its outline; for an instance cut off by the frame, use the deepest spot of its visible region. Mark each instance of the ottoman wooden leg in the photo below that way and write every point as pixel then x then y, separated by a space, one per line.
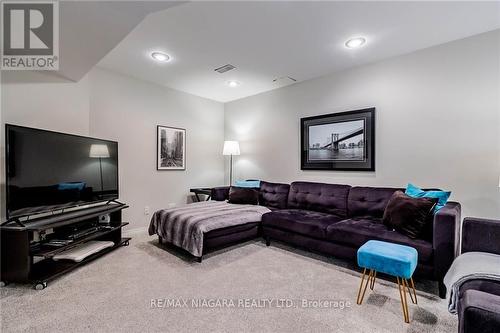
pixel 374 276
pixel 414 296
pixel 361 295
pixel 361 285
pixel 402 295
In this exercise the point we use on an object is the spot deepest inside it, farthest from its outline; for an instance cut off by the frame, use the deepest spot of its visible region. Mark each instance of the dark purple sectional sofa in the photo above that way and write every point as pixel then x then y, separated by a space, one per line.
pixel 479 299
pixel 338 219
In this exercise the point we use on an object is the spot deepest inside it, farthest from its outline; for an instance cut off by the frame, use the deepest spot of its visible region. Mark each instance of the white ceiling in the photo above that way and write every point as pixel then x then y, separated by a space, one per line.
pixel 266 40
pixel 90 29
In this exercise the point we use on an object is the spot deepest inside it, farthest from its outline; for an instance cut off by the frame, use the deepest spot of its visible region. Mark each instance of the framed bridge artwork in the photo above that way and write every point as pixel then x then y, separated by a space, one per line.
pixel 339 141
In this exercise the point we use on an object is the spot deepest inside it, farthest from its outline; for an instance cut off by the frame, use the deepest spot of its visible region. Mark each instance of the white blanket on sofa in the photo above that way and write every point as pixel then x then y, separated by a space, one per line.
pixel 470 266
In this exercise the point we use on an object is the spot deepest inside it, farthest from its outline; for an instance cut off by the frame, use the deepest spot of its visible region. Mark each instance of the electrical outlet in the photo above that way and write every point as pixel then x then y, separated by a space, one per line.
pixel 146 210
pixel 171 205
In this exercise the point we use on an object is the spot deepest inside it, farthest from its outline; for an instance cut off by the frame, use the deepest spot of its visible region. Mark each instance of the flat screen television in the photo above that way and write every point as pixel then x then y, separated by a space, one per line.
pixel 49 171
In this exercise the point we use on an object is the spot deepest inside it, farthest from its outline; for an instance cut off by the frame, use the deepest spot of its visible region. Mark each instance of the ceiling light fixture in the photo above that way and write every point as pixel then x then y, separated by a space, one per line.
pixel 355 42
pixel 233 83
pixel 160 56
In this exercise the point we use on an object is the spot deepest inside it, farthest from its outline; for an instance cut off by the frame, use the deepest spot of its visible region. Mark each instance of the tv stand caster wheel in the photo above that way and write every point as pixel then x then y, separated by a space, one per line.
pixel 3 284
pixel 40 285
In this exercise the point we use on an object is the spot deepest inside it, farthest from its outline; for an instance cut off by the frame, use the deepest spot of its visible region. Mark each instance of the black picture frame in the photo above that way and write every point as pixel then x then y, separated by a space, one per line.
pixel 174 164
pixel 352 148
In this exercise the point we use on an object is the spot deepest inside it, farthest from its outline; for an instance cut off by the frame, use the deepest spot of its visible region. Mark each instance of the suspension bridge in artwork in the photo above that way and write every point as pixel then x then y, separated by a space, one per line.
pixel 336 138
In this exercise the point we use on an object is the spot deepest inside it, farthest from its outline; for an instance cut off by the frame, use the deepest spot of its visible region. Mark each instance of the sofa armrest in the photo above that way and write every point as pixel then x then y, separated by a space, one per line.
pixel 479 312
pixel 446 227
pixel 220 193
pixel 481 235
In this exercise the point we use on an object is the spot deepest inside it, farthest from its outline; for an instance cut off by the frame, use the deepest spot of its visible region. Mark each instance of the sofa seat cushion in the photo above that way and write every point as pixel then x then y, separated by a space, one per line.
pixel 305 222
pixel 487 286
pixel 356 232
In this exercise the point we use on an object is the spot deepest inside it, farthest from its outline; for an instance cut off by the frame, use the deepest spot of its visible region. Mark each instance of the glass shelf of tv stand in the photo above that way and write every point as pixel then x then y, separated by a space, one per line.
pixel 49 251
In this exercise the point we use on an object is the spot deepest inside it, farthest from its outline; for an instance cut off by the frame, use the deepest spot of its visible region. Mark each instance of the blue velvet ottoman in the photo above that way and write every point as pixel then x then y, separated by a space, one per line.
pixel 392 259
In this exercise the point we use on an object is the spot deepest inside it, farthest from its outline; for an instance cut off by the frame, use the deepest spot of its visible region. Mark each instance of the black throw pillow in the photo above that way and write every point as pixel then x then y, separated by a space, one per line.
pixel 408 215
pixel 243 196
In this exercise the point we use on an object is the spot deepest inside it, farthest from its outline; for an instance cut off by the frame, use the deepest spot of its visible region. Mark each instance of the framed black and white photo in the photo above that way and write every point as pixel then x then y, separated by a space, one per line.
pixel 339 141
pixel 170 148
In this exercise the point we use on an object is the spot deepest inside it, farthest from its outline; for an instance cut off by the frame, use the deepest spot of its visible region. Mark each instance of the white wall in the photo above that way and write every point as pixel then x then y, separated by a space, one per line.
pixel 128 111
pixel 36 99
pixel 116 107
pixel 437 123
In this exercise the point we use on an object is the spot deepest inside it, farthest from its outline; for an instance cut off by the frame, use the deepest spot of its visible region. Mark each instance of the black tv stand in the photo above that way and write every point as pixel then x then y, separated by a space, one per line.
pixel 114 201
pixel 13 220
pixel 27 251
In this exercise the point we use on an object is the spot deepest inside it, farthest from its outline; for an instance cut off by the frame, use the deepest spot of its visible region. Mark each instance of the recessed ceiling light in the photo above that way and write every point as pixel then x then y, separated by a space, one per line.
pixel 233 83
pixel 160 56
pixel 355 42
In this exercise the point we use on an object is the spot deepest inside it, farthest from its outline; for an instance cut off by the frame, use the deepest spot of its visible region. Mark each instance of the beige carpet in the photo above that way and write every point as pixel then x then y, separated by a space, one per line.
pixel 114 294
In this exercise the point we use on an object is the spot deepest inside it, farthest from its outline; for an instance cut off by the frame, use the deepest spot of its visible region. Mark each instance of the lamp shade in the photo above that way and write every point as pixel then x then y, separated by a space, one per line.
pixel 231 148
pixel 99 151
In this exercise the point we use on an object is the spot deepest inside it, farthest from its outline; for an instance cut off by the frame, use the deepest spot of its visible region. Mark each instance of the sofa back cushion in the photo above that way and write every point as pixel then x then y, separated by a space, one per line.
pixel 243 196
pixel 369 201
pixel 319 197
pixel 273 195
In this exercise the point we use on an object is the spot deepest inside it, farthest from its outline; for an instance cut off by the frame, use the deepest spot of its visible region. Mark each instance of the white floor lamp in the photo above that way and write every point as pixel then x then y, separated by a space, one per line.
pixel 231 148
